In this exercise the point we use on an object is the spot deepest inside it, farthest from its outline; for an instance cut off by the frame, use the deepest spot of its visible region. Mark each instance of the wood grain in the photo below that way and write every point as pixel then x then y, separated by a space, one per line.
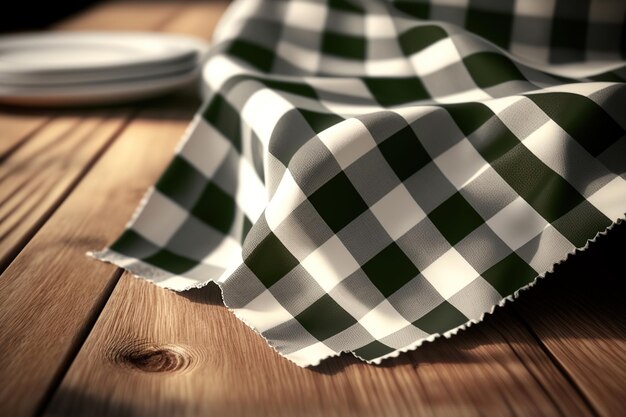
pixel 38 169
pixel 51 294
pixel 157 353
pixel 36 177
pixel 154 352
pixel 579 315
pixel 16 126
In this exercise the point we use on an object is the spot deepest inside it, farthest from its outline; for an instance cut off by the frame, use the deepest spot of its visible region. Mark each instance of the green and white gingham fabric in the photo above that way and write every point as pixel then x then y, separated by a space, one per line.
pixel 368 175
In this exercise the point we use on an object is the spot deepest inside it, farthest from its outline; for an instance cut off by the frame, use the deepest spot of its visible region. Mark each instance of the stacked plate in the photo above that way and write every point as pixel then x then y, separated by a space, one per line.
pixel 70 68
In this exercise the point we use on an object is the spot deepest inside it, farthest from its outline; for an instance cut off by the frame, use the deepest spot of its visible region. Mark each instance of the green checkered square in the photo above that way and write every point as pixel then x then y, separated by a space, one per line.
pixel 215 207
pixel 132 243
pixel 490 68
pixel 221 114
pixel 491 25
pixel 469 116
pixel 307 223
pixel 390 269
pixel 414 8
pixel 345 6
pixel 169 261
pixel 270 260
pixel 181 172
pixel 325 318
pixel 344 46
pixel 499 141
pixel 297 88
pixel 440 319
pixel 373 350
pixel 455 218
pixel 568 34
pixel 545 190
pixel 320 121
pixel 596 132
pixel 395 91
pixel 338 202
pixel 256 55
pixel 509 275
pixel 404 153
pixel 577 231
pixel 421 37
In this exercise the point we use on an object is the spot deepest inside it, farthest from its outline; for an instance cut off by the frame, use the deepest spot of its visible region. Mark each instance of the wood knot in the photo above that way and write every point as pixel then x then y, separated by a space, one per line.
pixel 150 357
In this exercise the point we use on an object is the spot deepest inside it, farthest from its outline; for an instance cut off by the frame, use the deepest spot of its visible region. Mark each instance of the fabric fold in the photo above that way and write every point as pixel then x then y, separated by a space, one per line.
pixel 363 179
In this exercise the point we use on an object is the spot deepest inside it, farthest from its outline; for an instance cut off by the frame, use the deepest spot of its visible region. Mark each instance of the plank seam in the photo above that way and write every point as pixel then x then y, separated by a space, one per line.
pixel 79 341
pixel 557 363
pixel 532 373
pixel 10 151
pixel 18 247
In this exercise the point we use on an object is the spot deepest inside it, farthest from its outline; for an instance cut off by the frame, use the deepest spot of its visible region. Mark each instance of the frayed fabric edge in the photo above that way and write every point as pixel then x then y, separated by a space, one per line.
pixel 109 256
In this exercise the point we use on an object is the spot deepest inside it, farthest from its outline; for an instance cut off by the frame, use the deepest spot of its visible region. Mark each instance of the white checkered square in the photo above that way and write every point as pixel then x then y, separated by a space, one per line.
pixel 398 212
pixel 262 111
pixel 517 223
pixel 264 312
pixel 171 217
pixel 383 320
pixel 224 254
pixel 306 14
pixel 543 8
pixel 435 57
pixel 287 197
pixel 460 174
pixel 330 68
pixel 330 263
pixel 610 199
pixel 206 148
pixel 347 141
pixel 305 59
pixel 450 273
pixel 474 94
pixel 250 195
pixel 311 354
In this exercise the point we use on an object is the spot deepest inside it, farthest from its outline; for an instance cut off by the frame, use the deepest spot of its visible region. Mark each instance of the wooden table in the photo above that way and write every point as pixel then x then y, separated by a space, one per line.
pixel 80 337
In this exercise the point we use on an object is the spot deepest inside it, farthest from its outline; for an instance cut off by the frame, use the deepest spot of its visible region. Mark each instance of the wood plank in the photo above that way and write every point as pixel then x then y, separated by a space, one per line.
pixel 157 353
pixel 154 352
pixel 51 294
pixel 37 176
pixel 124 15
pixel 480 368
pixel 579 314
pixel 39 173
pixel 196 17
pixel 16 126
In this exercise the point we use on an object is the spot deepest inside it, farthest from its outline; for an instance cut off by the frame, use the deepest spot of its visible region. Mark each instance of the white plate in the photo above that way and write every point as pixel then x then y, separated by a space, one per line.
pixel 54 53
pixel 95 93
pixel 63 79
pixel 72 68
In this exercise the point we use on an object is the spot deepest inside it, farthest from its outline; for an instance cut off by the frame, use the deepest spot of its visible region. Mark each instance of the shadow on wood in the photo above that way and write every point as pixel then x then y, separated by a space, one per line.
pixel 585 279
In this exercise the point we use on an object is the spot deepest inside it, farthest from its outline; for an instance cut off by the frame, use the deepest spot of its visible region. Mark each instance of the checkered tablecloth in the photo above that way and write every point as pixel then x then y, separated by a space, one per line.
pixel 368 175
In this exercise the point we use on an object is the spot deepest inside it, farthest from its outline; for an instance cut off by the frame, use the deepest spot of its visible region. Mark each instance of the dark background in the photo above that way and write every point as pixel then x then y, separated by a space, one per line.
pixel 24 15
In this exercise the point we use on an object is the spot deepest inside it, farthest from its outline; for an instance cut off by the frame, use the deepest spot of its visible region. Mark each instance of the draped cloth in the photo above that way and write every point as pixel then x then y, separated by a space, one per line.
pixel 365 176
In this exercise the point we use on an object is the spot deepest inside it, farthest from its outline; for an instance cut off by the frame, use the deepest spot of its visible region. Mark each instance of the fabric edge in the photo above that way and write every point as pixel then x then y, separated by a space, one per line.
pixel 508 299
pixel 108 256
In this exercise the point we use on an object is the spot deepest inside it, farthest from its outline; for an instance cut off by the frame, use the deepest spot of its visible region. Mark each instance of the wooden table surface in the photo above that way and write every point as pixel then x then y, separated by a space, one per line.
pixel 80 337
